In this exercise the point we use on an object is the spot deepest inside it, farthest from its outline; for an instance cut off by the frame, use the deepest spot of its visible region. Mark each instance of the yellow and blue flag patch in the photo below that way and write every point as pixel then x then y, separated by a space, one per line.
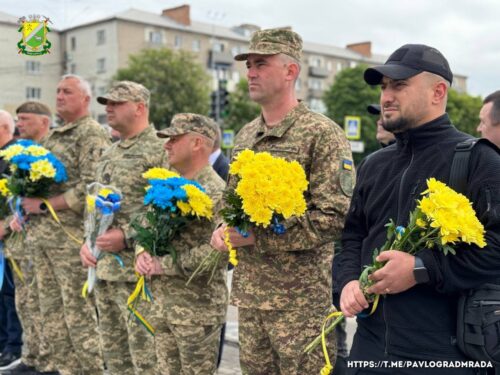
pixel 347 164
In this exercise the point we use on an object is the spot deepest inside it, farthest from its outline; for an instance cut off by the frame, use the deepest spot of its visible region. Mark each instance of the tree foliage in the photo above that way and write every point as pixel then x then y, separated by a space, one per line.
pixel 178 83
pixel 463 110
pixel 349 96
pixel 241 108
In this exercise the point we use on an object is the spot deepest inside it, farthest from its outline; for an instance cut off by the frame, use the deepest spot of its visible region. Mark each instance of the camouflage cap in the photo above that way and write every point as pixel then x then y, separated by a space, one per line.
pixel 126 91
pixel 34 107
pixel 272 42
pixel 183 123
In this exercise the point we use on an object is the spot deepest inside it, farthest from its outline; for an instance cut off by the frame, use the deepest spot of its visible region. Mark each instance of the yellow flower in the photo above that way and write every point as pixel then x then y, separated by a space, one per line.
pixel 241 160
pixel 199 202
pixel 104 192
pixel 420 223
pixel 36 150
pixel 90 203
pixel 11 151
pixel 158 174
pixel 41 168
pixel 4 190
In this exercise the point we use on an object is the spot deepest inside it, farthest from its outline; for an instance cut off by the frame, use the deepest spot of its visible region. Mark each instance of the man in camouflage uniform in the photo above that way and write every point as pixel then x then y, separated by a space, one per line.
pixel 69 321
pixel 127 346
pixel 282 284
pixel 33 122
pixel 188 318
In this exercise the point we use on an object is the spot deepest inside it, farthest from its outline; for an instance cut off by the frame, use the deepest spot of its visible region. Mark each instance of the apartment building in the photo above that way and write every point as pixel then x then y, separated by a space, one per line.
pixel 96 50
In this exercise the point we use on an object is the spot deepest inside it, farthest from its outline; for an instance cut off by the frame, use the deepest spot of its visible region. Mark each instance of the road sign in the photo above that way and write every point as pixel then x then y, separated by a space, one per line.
pixel 352 127
pixel 227 138
pixel 357 146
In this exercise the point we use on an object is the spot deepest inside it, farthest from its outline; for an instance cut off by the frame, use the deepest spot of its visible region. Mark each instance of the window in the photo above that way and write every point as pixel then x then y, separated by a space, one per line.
pixel 196 45
pixel 101 65
pixel 315 84
pixel 218 46
pixel 316 61
pixel 33 67
pixel 155 37
pixel 101 37
pixel 178 41
pixel 329 66
pixel 73 43
pixel 72 68
pixel 339 67
pixel 33 93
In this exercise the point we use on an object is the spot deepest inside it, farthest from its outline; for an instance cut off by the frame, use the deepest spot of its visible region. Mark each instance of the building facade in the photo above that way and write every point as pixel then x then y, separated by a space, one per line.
pixel 96 50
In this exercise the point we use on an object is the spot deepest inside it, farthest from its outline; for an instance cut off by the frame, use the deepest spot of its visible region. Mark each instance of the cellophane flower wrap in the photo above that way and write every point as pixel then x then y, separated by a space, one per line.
pixel 102 201
pixel 442 219
pixel 4 211
pixel 34 169
pixel 268 190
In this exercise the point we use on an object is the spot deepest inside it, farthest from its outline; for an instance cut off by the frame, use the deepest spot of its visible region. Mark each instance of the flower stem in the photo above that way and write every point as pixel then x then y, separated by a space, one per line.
pixel 309 348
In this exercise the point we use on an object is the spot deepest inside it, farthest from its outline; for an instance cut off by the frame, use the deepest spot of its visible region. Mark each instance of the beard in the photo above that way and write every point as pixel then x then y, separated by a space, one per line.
pixel 398 125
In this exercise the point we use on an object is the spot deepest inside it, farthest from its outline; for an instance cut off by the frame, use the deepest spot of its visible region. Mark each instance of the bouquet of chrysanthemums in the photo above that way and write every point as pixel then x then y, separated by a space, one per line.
pixel 33 171
pixel 443 218
pixel 102 202
pixel 171 202
pixel 269 190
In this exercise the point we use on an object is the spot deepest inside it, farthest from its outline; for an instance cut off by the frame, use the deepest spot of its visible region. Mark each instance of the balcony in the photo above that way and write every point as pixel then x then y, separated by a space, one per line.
pixel 216 58
pixel 319 72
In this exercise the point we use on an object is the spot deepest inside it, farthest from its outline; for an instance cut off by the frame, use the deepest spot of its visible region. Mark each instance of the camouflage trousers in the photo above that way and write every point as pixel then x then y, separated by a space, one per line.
pixel 128 348
pixel 36 348
pixel 272 342
pixel 69 321
pixel 187 350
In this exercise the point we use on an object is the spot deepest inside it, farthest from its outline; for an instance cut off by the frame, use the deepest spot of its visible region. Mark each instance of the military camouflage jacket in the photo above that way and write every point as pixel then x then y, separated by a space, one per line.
pixel 293 270
pixel 199 302
pixel 78 145
pixel 122 166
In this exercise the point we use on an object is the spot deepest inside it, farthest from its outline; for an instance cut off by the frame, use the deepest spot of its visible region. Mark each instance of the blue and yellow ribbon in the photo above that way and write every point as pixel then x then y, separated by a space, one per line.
pixel 58 221
pixel 141 289
pixel 85 288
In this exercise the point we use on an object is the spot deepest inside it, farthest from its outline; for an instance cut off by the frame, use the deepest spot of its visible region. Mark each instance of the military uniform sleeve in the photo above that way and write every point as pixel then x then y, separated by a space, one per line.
pixel 91 148
pixel 331 181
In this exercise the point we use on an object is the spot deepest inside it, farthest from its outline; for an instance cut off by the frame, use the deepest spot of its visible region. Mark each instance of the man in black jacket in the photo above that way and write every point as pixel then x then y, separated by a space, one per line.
pixel 416 318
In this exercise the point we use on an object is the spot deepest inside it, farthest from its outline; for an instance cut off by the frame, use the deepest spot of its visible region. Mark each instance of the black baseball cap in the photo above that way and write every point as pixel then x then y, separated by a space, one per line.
pixel 373 109
pixel 408 61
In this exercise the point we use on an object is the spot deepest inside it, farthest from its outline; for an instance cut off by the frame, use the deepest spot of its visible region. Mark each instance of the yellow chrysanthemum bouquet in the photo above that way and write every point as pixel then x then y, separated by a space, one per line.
pixel 102 201
pixel 269 190
pixel 443 218
pixel 4 196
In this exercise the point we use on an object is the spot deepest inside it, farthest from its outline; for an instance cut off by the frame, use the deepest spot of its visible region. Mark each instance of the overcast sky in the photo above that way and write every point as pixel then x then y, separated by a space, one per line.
pixel 467 32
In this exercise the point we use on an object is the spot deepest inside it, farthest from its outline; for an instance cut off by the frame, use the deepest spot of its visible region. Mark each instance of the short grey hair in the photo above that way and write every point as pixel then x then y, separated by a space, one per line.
pixel 9 119
pixel 84 84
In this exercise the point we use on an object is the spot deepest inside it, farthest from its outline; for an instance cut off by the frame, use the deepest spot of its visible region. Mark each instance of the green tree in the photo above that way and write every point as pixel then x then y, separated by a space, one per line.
pixel 177 83
pixel 463 110
pixel 349 96
pixel 241 108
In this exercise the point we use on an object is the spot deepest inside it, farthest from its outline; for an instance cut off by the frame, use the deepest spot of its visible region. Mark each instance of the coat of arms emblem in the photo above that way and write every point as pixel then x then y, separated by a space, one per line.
pixel 34 30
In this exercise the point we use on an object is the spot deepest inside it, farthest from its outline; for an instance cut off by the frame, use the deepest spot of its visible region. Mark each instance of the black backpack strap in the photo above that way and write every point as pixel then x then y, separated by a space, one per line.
pixel 460 165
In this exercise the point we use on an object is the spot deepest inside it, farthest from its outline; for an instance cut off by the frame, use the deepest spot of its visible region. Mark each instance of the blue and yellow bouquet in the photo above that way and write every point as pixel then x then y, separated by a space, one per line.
pixel 33 169
pixel 171 201
pixel 102 202
pixel 443 218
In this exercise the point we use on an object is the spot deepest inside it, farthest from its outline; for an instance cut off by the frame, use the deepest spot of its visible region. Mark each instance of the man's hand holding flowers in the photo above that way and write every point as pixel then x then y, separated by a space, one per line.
pixel 148 265
pixel 111 241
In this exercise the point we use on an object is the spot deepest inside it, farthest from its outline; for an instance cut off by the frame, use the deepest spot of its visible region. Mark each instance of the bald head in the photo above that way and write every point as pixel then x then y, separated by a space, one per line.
pixel 7 127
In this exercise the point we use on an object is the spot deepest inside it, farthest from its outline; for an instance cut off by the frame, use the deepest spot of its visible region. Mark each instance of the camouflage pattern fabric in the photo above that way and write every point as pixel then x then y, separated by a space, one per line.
pixel 272 42
pixel 125 347
pixel 273 347
pixel 36 348
pixel 183 123
pixel 122 166
pixel 198 309
pixel 69 320
pixel 125 91
pixel 292 271
pixel 188 350
pixel 128 349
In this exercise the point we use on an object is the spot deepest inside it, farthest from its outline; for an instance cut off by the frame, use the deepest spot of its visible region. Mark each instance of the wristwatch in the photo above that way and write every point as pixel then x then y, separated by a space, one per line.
pixel 43 207
pixel 420 272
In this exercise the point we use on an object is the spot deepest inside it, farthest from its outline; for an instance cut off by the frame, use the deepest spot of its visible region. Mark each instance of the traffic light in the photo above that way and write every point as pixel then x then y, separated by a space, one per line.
pixel 214 105
pixel 223 99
